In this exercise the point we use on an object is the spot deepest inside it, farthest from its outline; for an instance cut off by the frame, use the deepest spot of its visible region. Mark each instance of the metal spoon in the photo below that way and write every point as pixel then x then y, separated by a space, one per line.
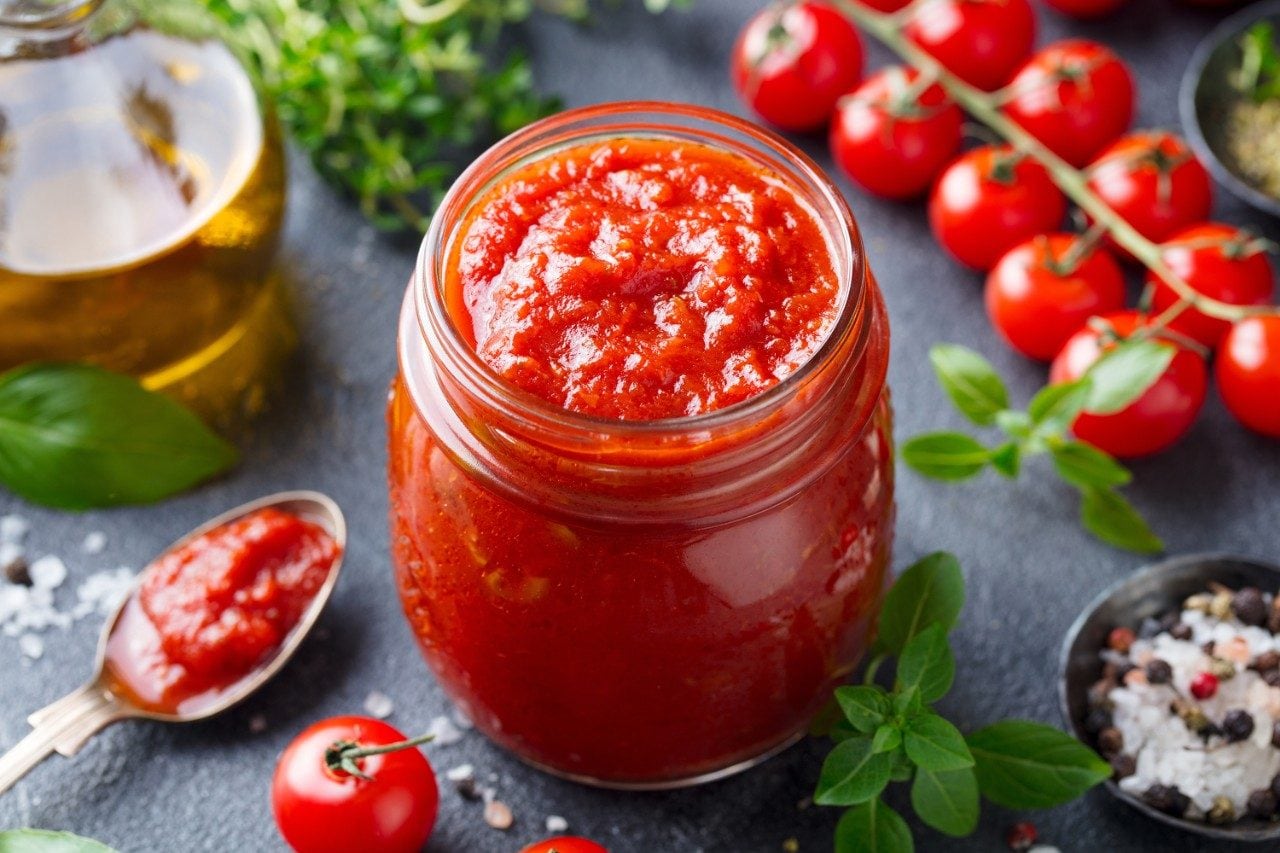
pixel 67 724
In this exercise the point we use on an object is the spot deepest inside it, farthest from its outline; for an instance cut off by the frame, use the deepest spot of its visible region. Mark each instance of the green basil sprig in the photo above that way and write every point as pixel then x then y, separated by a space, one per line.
pixel 46 841
pixel 1114 382
pixel 893 735
pixel 76 437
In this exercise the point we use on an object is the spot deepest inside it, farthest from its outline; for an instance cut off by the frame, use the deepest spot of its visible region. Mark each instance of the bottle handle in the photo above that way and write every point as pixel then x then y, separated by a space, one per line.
pixel 63 727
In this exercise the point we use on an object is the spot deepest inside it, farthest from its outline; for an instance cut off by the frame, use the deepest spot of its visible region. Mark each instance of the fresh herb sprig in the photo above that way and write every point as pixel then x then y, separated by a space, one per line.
pixel 1117 379
pixel 389 99
pixel 894 735
pixel 1259 74
pixel 76 437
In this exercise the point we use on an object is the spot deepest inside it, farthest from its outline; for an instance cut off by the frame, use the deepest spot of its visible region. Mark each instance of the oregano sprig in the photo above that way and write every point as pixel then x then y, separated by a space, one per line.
pixel 893 735
pixel 1122 375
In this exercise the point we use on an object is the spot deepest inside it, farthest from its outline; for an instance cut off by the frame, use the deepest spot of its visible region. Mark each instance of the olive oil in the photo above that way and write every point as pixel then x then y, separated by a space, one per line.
pixel 141 197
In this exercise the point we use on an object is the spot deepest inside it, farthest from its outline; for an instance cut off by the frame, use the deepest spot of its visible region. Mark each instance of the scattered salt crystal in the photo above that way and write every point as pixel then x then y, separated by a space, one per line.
pixel 487 794
pixel 48 572
pixel 443 732
pixel 461 720
pixel 257 724
pixel 498 815
pixel 31 646
pixel 378 705
pixel 13 529
pixel 10 554
pixel 94 543
pixel 462 771
pixel 555 823
pixel 103 592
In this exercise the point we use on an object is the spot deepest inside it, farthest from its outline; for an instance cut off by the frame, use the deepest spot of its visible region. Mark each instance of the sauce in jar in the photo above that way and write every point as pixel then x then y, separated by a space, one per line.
pixel 641 467
pixel 212 610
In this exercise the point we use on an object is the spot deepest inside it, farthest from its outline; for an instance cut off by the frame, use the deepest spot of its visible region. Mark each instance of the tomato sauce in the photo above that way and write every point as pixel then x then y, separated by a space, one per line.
pixel 641 279
pixel 212 610
pixel 640 597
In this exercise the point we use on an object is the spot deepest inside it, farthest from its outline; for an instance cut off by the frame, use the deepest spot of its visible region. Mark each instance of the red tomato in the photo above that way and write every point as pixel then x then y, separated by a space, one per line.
pixel 1075 96
pixel 892 139
pixel 980 41
pixel 1042 291
pixel 990 200
pixel 1222 262
pixel 1152 179
pixel 1085 10
pixel 565 844
pixel 1154 421
pixel 319 809
pixel 1249 373
pixel 793 61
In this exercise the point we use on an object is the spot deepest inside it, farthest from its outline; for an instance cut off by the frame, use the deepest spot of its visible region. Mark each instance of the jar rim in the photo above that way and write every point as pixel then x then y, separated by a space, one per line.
pixel 52 15
pixel 655 119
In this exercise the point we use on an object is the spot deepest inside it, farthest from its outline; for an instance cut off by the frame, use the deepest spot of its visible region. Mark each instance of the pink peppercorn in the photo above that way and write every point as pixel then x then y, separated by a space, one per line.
pixel 1204 685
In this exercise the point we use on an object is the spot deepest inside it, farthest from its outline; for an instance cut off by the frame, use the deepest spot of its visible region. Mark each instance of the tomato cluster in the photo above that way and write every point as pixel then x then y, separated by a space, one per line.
pixel 1051 295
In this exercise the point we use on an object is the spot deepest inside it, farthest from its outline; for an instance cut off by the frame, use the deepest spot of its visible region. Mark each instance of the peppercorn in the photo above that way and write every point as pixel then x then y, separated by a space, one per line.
pixel 1211 729
pixel 1099 693
pixel 1273 621
pixel 1209 647
pixel 1181 631
pixel 1262 803
pixel 1221 811
pixel 1220 606
pixel 1272 677
pixel 1159 671
pixel 1249 606
pixel 1168 620
pixel 1275 785
pixel 1097 720
pixel 16 571
pixel 1123 765
pixel 1114 671
pixel 1120 639
pixel 1167 799
pixel 1199 602
pixel 1204 685
pixel 1237 725
pixel 1266 661
pixel 1275 734
pixel 1110 741
pixel 1190 714
pixel 1222 669
pixel 1021 836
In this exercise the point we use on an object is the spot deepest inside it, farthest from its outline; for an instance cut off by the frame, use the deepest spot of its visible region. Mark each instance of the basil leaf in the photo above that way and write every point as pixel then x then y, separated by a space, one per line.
pixel 75 437
pixel 927 664
pixel 853 773
pixel 947 800
pixel 887 739
pixel 1106 514
pixel 970 381
pixel 946 455
pixel 932 743
pixel 1007 459
pixel 907 703
pixel 45 841
pixel 873 827
pixel 1025 765
pixel 1084 465
pixel 864 706
pixel 1124 374
pixel 931 591
pixel 1054 408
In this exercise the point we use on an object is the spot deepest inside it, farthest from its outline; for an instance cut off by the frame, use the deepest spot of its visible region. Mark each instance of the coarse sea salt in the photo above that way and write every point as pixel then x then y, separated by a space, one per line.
pixel 13 529
pixel 94 543
pixel 378 705
pixel 443 732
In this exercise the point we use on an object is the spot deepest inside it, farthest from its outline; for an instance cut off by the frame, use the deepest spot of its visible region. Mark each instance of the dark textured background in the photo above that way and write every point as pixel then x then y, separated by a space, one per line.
pixel 1029 567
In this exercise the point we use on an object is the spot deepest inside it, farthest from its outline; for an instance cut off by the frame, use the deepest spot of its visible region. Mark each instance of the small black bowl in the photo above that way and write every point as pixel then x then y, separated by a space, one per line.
pixel 1149 592
pixel 1207 93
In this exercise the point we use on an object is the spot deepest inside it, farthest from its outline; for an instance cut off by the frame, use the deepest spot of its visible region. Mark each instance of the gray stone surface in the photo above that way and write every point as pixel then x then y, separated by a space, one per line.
pixel 144 787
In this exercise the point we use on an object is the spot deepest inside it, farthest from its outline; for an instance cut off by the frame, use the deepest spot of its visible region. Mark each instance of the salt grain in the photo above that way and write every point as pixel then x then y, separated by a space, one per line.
pixel 555 823
pixel 31 646
pixel 378 705
pixel 443 732
pixel 94 543
pixel 462 771
pixel 48 572
pixel 13 529
pixel 461 720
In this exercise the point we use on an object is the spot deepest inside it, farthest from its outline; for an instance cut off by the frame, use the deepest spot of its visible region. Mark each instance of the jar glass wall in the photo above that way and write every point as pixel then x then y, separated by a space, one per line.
pixel 642 604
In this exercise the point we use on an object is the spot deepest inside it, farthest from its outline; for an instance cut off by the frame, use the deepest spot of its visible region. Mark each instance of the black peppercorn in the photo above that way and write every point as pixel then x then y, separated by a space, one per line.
pixel 1237 725
pixel 1123 765
pixel 1167 799
pixel 1110 741
pixel 1168 620
pixel 1249 607
pixel 1273 621
pixel 1275 785
pixel 1262 803
pixel 1275 734
pixel 16 571
pixel 1181 631
pixel 1209 647
pixel 1097 720
pixel 1266 662
pixel 1272 677
pixel 1159 671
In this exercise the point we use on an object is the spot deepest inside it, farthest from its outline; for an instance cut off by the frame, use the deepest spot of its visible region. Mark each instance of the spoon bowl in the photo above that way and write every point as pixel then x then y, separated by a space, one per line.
pixel 67 724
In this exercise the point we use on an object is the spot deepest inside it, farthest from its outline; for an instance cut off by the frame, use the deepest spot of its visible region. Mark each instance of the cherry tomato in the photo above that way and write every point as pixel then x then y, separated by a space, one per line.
pixel 1154 421
pixel 1152 179
pixel 1248 372
pixel 1043 290
pixel 793 61
pixel 1221 261
pixel 980 41
pixel 1075 96
pixel 565 844
pixel 320 809
pixel 990 200
pixel 893 139
pixel 1085 10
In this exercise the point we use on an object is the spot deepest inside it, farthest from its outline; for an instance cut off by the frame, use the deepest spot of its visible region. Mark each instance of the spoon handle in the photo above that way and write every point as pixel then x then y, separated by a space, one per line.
pixel 62 727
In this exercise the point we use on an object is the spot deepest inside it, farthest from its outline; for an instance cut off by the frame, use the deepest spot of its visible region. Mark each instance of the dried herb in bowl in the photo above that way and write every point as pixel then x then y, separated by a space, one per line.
pixel 1253 122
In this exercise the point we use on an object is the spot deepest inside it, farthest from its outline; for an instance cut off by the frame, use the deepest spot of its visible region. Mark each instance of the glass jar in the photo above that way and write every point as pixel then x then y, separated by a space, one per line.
pixel 629 603
pixel 141 195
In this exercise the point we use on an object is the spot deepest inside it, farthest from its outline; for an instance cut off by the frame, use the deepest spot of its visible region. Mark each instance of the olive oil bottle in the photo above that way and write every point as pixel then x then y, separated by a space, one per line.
pixel 141 194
